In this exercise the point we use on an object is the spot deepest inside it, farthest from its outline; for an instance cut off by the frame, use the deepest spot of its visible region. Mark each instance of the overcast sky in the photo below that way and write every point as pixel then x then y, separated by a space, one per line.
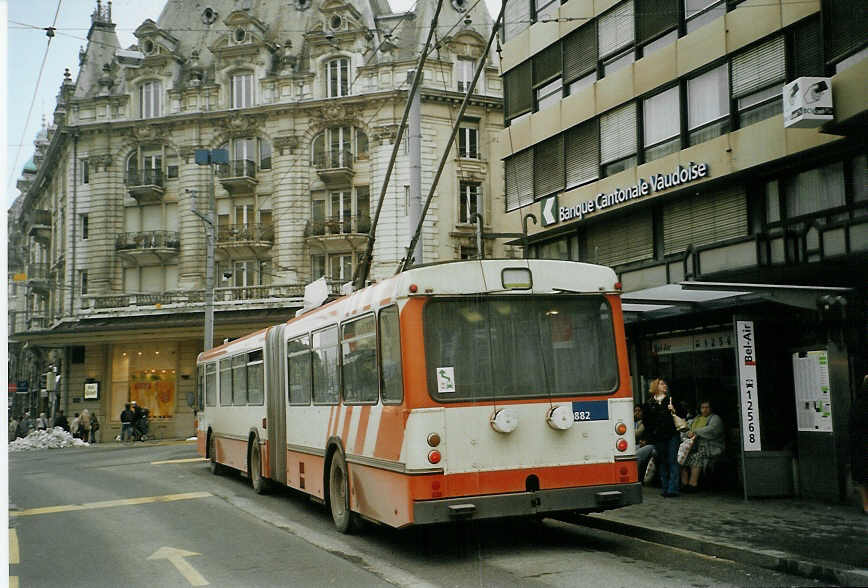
pixel 26 47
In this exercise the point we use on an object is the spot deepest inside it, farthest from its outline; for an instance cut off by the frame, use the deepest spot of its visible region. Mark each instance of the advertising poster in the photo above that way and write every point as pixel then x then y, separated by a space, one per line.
pixel 154 390
pixel 747 384
pixel 813 398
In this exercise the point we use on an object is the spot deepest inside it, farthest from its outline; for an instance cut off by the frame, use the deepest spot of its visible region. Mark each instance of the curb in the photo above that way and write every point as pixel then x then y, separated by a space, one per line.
pixel 765 558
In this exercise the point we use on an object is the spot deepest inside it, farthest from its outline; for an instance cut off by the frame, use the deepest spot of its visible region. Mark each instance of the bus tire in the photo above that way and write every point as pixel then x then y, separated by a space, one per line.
pixel 339 495
pixel 254 468
pixel 215 467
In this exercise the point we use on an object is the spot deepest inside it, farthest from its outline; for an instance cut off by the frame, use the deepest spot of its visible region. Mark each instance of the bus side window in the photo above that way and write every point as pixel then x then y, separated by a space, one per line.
pixel 391 380
pixel 225 382
pixel 326 375
pixel 359 360
pixel 239 379
pixel 211 384
pixel 200 387
pixel 255 378
pixel 298 366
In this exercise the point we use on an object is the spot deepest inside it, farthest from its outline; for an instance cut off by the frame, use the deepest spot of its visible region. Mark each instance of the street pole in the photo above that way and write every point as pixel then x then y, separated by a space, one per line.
pixel 209 263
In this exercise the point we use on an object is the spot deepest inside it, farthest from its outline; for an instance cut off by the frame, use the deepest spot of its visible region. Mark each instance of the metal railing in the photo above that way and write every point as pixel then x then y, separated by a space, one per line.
pixel 334 160
pixel 337 225
pixel 238 168
pixel 245 233
pixel 148 240
pixel 145 177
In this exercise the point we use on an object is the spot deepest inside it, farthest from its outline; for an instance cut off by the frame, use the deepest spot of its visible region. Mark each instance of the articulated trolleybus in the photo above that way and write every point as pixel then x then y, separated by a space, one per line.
pixel 459 390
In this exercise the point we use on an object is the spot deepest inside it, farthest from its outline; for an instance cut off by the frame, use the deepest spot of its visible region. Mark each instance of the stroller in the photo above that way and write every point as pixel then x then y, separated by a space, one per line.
pixel 141 429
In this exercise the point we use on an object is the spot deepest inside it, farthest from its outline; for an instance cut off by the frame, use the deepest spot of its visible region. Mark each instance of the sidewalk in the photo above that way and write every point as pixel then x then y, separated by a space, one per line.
pixel 822 541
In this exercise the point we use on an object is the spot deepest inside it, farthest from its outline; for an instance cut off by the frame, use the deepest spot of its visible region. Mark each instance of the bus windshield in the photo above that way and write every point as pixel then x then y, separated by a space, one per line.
pixel 519 347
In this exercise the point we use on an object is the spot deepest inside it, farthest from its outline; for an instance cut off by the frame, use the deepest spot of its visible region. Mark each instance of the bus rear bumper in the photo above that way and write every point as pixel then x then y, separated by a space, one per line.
pixel 585 499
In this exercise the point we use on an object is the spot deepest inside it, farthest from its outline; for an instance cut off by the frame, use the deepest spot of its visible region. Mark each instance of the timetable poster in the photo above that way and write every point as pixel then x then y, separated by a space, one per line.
pixel 813 398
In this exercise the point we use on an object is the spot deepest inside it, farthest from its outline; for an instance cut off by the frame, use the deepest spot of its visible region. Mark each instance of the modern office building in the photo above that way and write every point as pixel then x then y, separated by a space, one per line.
pixel 305 99
pixel 649 135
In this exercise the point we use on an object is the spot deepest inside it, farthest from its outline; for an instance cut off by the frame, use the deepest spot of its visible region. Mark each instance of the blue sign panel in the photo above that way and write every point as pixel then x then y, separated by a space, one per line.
pixel 593 410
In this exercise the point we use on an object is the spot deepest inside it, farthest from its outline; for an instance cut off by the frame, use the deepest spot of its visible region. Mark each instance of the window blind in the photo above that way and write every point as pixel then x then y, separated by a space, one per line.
pixel 548 164
pixel 661 116
pixel 759 67
pixel 582 154
pixel 580 52
pixel 547 64
pixel 654 17
pixel 807 50
pixel 707 97
pixel 846 22
pixel 615 29
pixel 516 19
pixel 519 93
pixel 519 180
pixel 704 219
pixel 618 133
pixel 626 238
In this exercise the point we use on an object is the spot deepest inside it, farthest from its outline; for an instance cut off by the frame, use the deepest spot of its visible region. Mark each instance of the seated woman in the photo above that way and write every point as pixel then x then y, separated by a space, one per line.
pixel 708 444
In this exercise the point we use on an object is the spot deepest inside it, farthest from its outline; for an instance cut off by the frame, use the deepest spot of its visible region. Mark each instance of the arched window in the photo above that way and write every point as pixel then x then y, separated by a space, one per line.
pixel 250 149
pixel 337 77
pixel 150 99
pixel 333 146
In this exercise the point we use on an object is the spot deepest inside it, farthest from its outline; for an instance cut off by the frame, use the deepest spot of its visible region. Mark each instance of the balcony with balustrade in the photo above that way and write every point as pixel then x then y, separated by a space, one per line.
pixel 39 226
pixel 334 233
pixel 238 176
pixel 245 240
pixel 335 168
pixel 38 277
pixel 147 186
pixel 148 247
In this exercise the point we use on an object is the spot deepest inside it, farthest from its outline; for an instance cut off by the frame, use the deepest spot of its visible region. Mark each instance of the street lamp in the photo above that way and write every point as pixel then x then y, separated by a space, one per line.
pixel 209 157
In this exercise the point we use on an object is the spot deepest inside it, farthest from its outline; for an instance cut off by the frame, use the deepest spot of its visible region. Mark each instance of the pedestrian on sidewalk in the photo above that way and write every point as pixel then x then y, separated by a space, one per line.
pixel 41 422
pixel 13 428
pixel 75 425
pixel 658 413
pixel 25 425
pixel 126 423
pixel 859 442
pixel 61 421
pixel 94 427
pixel 707 433
pixel 84 425
pixel 644 450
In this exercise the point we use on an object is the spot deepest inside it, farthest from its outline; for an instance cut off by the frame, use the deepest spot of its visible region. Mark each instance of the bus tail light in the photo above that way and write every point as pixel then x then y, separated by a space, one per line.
pixel 434 456
pixel 621 445
pixel 620 428
pixel 433 440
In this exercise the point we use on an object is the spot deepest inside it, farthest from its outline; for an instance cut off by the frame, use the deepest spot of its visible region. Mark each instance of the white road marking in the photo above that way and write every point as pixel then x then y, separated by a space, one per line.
pixel 188 460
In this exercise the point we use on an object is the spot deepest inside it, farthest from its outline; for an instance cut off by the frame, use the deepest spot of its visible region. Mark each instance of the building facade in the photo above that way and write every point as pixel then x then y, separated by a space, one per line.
pixel 651 138
pixel 305 100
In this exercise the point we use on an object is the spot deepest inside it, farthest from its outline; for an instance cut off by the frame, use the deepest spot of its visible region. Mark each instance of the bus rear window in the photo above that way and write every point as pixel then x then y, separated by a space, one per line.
pixel 519 347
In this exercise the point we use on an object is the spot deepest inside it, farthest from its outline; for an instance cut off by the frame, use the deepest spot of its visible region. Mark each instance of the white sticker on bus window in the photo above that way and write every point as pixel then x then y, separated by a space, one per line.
pixel 445 380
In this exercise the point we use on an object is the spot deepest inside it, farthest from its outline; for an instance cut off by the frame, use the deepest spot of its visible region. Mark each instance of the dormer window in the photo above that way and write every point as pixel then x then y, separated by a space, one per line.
pixel 240 35
pixel 150 98
pixel 242 90
pixel 337 77
pixel 148 47
pixel 336 22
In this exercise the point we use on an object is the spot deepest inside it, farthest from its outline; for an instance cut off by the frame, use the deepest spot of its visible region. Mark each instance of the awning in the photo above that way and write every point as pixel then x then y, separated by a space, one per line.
pixel 688 297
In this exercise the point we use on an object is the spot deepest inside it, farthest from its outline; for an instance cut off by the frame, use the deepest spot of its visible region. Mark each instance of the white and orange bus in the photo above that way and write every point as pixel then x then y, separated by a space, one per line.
pixel 471 389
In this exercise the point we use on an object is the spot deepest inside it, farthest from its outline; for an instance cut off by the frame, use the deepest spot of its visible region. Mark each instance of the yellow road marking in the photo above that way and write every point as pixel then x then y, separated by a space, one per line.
pixel 107 504
pixel 189 460
pixel 13 581
pixel 176 557
pixel 14 555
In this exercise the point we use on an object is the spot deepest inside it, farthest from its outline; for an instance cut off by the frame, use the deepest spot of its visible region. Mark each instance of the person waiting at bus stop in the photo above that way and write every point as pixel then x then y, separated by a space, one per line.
pixel 126 423
pixel 707 433
pixel 660 430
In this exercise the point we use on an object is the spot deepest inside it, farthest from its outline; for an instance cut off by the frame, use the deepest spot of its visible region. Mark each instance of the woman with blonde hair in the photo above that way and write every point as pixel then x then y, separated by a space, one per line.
pixel 660 430
pixel 84 425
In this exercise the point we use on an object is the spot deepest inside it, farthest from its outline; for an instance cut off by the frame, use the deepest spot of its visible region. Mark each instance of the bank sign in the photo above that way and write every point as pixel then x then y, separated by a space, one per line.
pixel 552 213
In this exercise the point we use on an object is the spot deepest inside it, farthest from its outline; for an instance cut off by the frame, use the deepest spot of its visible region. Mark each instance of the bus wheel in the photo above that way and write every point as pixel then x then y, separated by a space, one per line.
pixel 254 469
pixel 216 468
pixel 339 495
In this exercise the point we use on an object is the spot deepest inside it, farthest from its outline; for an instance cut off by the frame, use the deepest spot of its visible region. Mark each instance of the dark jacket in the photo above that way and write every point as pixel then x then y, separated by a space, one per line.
pixel 658 420
pixel 126 416
pixel 61 421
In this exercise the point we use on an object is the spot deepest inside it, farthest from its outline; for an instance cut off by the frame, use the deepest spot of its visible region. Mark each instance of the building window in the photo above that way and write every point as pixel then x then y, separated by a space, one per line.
pixel 341 267
pixel 661 124
pixel 242 90
pixel 84 231
pixel 468 141
pixel 464 73
pixel 518 93
pixel 172 172
pixel 82 277
pixel 814 190
pixel 337 77
pixel 516 19
pixel 468 201
pixel 708 105
pixel 331 148
pixel 545 9
pixel 656 24
pixel 317 266
pixel 618 139
pixel 582 155
pixel 616 34
pixel 519 180
pixel 547 82
pixel 85 171
pixel 580 58
pixel 264 154
pixel 845 23
pixel 150 94
pixel 548 167
pixel 698 13
pixel 758 76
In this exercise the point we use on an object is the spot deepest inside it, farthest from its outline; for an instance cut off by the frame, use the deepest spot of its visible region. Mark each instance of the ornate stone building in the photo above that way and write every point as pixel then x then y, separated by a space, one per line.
pixel 306 98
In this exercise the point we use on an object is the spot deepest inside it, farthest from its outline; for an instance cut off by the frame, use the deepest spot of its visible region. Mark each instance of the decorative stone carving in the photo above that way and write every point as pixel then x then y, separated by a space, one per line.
pixel 145 132
pixel 386 134
pixel 288 142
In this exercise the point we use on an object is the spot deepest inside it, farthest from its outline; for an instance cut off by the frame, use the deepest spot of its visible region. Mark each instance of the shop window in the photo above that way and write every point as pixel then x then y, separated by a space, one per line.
pixel 146 373
pixel 815 190
pixel 580 58
pixel 618 139
pixel 698 13
pixel 708 105
pixel 758 76
pixel 661 122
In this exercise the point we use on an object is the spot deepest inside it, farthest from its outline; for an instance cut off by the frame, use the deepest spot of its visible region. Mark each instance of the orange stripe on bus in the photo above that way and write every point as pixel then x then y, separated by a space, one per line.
pixel 362 431
pixel 390 435
pixel 329 428
pixel 348 417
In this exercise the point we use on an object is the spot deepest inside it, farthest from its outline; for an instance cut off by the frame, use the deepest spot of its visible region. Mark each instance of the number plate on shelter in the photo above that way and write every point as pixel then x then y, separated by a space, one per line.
pixel 595 410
